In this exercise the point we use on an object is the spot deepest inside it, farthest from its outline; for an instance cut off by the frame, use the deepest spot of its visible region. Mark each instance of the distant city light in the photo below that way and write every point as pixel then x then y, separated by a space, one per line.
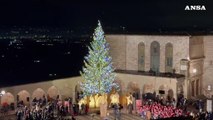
pixel 67 53
pixel 37 61
pixel 51 75
pixel 31 50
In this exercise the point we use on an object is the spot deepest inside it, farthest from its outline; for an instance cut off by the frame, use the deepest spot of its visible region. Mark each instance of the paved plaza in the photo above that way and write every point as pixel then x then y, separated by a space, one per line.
pixel 8 117
pixel 90 116
pixel 124 116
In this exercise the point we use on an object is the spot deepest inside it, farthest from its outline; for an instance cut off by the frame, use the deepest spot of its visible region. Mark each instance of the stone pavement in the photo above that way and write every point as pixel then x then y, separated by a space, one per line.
pixel 87 117
pixel 8 117
pixel 124 116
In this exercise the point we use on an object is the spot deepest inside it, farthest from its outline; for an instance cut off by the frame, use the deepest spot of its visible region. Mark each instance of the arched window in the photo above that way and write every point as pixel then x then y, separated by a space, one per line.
pixel 141 56
pixel 155 56
pixel 168 57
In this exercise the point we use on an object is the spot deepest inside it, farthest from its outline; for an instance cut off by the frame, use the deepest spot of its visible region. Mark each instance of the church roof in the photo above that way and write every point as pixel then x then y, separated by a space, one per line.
pixel 146 73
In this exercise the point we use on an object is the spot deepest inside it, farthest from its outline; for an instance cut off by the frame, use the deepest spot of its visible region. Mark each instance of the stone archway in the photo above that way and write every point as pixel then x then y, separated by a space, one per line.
pixel 180 90
pixel 7 98
pixel 121 92
pixel 134 88
pixel 170 94
pixel 53 93
pixel 163 90
pixel 24 96
pixel 148 88
pixel 148 91
pixel 38 93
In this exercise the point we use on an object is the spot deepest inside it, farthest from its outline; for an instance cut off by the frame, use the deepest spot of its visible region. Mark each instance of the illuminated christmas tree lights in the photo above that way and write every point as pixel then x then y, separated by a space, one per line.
pixel 98 72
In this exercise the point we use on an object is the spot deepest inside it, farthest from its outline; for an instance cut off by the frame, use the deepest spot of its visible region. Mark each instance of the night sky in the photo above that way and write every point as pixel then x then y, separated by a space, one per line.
pixel 140 16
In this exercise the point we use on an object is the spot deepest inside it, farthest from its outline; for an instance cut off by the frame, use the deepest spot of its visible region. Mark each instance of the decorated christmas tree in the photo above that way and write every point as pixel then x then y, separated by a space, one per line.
pixel 98 72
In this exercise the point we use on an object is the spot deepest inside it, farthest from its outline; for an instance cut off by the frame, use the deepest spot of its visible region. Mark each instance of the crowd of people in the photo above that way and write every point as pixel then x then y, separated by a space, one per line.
pixel 35 113
pixel 157 108
pixel 161 108
pixel 158 111
pixel 46 110
pixel 202 115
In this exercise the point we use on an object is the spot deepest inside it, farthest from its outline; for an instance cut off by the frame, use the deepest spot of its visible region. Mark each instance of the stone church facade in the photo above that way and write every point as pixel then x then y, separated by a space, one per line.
pixel 181 65
pixel 191 56
pixel 186 55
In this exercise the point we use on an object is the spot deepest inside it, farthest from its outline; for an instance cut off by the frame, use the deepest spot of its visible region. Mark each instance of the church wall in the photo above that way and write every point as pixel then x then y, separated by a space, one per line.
pixel 28 87
pixel 208 61
pixel 117 45
pixel 130 54
pixel 154 82
pixel 66 87
pixel 196 47
pixel 195 74
pixel 180 50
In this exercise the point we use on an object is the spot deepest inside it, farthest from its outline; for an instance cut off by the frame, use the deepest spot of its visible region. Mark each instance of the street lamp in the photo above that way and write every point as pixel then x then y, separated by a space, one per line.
pixel 1 94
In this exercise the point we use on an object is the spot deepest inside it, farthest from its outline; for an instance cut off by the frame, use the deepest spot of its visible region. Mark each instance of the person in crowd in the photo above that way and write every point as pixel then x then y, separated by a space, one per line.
pixel 129 99
pixel 19 114
pixel 117 113
pixel 200 105
pixel 134 97
pixel 73 118
pixel 83 107
pixel 37 112
pixel 70 108
pixel 44 100
pixel 86 109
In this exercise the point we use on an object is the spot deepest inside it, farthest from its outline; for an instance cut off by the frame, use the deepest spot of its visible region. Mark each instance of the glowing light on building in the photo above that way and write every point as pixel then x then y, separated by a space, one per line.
pixel 194 70
pixel 2 92
pixel 209 87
